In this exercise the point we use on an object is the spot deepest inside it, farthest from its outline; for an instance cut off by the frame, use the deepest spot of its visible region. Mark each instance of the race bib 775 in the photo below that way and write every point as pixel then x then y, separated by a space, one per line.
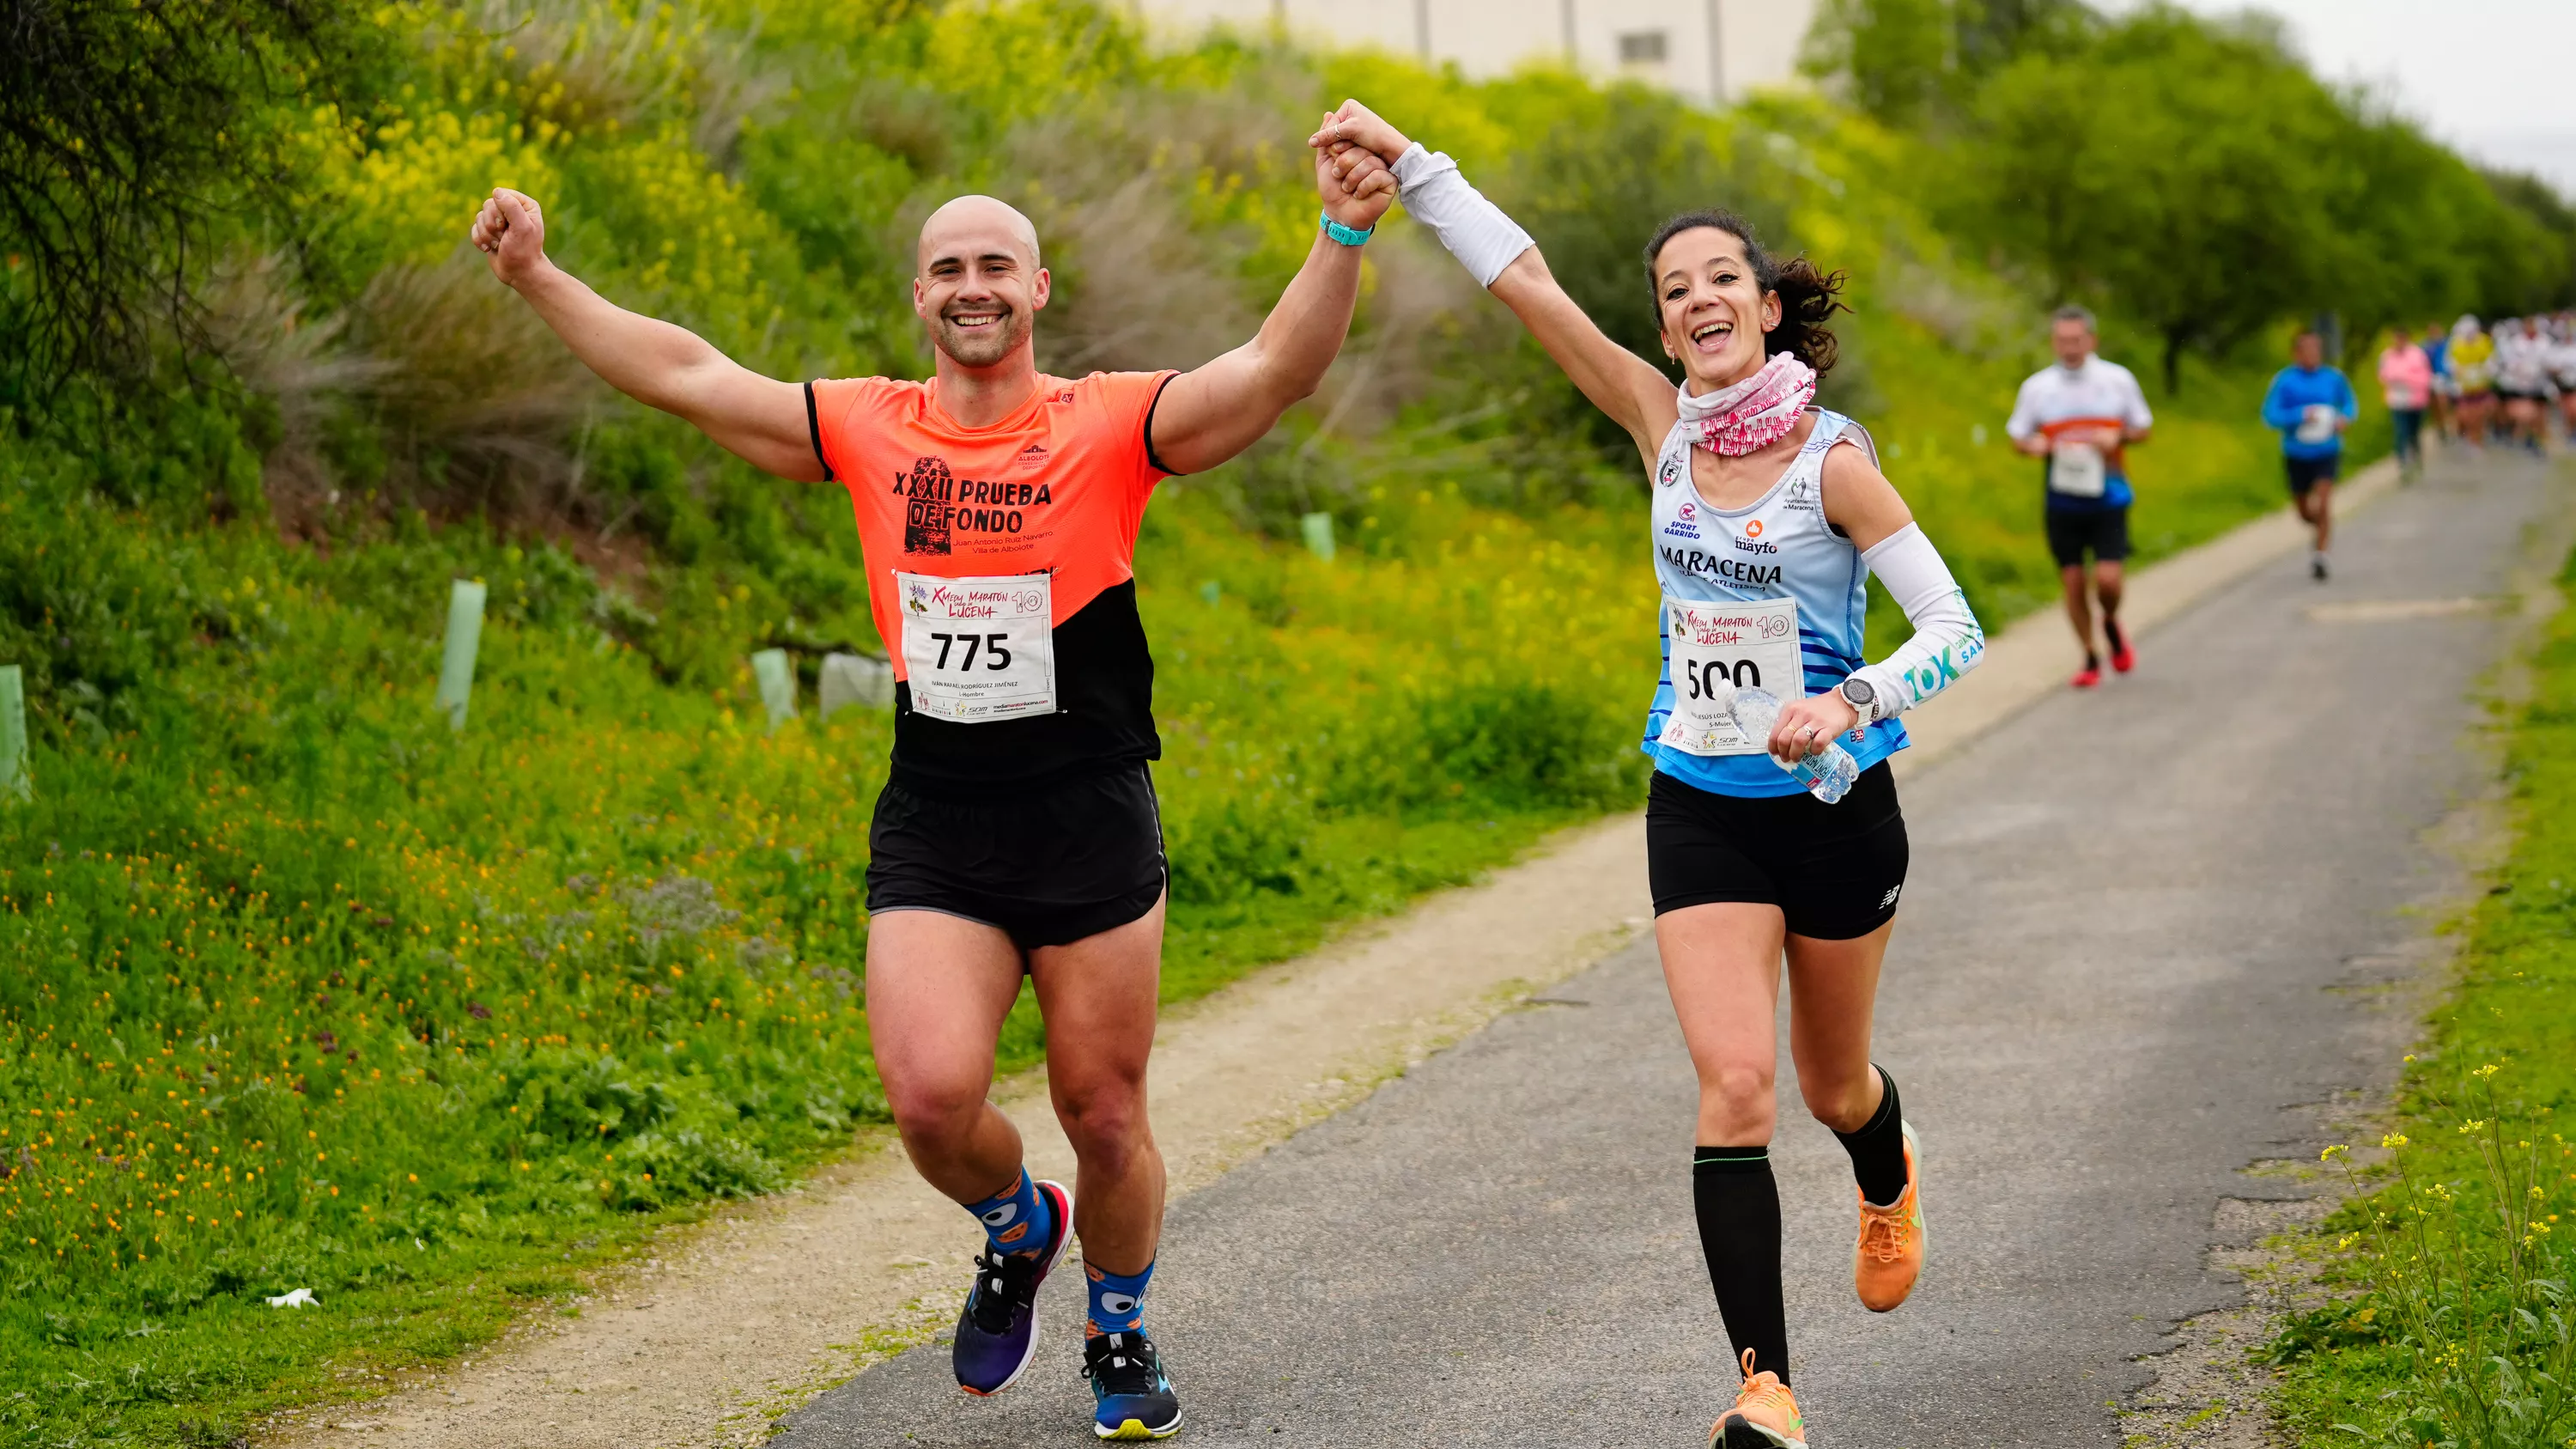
pixel 978 650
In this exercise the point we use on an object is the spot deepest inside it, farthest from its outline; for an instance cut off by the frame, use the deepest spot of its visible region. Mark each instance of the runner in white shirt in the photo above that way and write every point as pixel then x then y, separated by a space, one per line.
pixel 2526 380
pixel 2081 415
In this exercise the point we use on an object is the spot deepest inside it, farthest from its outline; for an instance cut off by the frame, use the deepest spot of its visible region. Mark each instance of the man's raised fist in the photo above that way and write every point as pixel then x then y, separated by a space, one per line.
pixel 510 231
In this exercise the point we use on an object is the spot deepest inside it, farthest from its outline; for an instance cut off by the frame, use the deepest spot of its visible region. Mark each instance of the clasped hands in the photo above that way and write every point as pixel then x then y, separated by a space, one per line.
pixel 1357 183
pixel 1355 145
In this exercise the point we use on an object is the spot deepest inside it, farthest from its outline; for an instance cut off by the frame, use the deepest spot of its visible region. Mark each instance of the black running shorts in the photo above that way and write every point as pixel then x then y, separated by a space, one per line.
pixel 2307 473
pixel 1050 868
pixel 2104 533
pixel 1833 870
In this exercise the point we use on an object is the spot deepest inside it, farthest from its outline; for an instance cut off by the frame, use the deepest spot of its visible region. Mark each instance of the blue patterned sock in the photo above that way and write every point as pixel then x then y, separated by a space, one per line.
pixel 1117 1300
pixel 1018 1219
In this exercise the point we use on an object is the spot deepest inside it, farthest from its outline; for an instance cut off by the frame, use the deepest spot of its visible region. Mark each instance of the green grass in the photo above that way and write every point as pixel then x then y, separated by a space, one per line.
pixel 2456 1262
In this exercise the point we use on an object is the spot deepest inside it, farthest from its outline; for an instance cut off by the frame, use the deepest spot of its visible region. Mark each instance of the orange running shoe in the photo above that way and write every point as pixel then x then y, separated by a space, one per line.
pixel 1765 1415
pixel 1889 1256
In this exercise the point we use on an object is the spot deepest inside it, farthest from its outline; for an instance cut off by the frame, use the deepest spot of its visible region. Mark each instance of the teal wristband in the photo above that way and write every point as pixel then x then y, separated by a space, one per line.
pixel 1343 234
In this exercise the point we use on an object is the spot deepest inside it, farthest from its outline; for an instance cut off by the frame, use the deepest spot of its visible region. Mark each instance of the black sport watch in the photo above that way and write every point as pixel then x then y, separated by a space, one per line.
pixel 1863 699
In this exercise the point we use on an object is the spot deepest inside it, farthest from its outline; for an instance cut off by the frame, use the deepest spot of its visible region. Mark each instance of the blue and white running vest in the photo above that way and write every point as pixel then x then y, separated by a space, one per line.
pixel 1777 547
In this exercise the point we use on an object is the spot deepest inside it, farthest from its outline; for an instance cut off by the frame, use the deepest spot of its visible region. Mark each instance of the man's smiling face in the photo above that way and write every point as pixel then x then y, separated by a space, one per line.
pixel 979 287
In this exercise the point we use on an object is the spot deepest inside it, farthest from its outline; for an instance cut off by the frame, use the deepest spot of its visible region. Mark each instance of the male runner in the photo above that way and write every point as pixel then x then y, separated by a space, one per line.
pixel 2312 404
pixel 997 509
pixel 2081 415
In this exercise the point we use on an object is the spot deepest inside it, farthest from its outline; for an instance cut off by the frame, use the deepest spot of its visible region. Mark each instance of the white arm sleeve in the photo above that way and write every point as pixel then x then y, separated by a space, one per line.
pixel 1947 640
pixel 1473 229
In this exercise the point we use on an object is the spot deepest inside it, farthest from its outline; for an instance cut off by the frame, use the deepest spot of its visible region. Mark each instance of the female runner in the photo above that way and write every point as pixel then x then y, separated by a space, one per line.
pixel 1765 526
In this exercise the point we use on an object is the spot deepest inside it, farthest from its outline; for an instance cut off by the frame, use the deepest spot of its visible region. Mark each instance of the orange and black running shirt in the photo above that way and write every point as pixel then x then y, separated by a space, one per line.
pixel 1058 487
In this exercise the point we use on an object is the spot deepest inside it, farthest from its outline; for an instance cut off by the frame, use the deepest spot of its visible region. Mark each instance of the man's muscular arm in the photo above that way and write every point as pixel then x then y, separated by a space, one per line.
pixel 758 419
pixel 1207 416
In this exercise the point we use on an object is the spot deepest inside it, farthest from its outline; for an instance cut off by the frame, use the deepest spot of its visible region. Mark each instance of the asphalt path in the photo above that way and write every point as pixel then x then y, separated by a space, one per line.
pixel 2141 941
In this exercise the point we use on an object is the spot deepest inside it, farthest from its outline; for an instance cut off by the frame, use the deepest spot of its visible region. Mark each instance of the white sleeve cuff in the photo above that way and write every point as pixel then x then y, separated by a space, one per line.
pixel 1475 231
pixel 1417 165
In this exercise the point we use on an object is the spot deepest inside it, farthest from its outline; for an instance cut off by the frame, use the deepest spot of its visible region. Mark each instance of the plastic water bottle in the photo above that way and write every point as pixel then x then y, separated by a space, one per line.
pixel 1827 776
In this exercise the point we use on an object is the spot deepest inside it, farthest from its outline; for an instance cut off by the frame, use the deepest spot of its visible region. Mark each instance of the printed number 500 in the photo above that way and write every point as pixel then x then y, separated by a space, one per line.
pixel 996 647
pixel 1703 679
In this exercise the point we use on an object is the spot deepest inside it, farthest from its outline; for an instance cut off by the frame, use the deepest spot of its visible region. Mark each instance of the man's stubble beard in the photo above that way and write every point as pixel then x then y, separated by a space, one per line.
pixel 984 347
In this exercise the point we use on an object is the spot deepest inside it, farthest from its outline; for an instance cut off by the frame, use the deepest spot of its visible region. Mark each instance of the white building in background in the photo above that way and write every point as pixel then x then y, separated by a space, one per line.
pixel 1710 51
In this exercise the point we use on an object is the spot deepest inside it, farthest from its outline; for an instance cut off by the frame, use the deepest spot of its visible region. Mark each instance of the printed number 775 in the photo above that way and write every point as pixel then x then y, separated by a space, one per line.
pixel 996 647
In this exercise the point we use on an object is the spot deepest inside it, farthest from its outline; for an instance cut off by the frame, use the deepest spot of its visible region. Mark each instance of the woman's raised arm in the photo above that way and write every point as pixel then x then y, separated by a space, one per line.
pixel 1630 390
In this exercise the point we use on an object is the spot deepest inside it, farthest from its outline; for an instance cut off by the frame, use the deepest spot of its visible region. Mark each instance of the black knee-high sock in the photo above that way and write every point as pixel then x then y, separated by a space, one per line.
pixel 1878 1150
pixel 1739 1231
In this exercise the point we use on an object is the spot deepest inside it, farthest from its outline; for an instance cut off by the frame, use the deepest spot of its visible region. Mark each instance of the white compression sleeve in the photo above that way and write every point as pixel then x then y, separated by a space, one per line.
pixel 1947 640
pixel 1473 229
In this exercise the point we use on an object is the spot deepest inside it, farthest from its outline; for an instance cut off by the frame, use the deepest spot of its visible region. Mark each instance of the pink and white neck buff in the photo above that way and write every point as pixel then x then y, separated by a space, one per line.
pixel 1755 413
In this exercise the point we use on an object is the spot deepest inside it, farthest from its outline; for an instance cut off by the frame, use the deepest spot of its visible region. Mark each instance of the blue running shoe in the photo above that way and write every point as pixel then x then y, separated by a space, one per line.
pixel 1134 1395
pixel 997 1335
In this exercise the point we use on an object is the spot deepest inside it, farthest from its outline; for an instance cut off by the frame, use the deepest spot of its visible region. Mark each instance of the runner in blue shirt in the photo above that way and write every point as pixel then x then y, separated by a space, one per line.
pixel 2312 404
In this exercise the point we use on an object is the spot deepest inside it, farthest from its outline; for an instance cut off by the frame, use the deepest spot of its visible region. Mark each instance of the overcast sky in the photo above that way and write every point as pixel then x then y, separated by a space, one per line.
pixel 2496 78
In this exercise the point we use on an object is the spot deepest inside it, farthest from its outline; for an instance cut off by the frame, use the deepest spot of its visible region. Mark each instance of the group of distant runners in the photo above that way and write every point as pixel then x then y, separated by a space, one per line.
pixel 2478 387
pixel 2082 415
pixel 1018 835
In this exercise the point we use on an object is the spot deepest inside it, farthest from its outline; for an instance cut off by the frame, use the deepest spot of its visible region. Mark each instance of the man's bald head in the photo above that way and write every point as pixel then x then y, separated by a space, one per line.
pixel 973 226
pixel 980 285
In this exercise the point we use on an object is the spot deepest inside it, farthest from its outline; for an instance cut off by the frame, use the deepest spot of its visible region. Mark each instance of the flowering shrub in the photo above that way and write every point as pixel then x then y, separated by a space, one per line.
pixel 408 195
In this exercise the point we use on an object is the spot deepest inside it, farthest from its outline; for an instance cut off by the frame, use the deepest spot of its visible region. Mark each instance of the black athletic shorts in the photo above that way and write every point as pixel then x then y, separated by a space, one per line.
pixel 2307 473
pixel 1050 868
pixel 2513 394
pixel 1833 870
pixel 2104 533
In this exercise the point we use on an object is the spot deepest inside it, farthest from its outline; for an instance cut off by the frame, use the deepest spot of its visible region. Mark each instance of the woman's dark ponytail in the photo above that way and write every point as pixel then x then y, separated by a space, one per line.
pixel 1808 297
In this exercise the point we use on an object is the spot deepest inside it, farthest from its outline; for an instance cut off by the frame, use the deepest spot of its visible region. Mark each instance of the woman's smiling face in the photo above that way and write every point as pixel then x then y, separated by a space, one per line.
pixel 1711 310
